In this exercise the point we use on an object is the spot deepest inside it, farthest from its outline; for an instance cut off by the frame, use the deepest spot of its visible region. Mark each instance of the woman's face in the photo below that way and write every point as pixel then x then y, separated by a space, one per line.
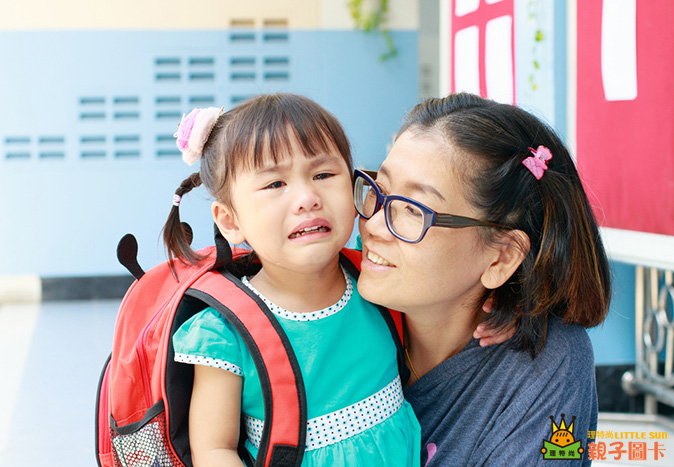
pixel 442 271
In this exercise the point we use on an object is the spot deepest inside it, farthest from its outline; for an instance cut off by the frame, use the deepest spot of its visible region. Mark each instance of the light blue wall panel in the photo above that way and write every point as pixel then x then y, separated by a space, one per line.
pixel 541 65
pixel 614 340
pixel 86 147
pixel 375 113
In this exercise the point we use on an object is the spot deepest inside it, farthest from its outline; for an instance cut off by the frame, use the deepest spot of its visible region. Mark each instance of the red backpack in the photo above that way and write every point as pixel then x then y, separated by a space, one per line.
pixel 143 394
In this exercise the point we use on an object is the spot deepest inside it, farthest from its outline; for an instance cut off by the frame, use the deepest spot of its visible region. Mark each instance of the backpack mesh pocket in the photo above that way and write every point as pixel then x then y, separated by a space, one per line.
pixel 144 443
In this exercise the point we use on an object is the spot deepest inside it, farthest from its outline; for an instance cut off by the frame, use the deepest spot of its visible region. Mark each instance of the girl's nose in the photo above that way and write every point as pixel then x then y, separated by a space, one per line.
pixel 307 198
pixel 376 226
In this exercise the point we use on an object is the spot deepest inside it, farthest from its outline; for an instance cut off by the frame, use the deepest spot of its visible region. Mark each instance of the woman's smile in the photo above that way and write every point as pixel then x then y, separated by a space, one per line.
pixel 376 259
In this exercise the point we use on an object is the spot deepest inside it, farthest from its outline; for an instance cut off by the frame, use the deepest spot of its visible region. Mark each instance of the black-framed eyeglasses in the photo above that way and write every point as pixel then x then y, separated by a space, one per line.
pixel 407 219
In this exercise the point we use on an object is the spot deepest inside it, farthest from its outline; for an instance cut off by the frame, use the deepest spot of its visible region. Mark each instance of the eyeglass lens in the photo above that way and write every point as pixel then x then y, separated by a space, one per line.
pixel 404 219
pixel 366 198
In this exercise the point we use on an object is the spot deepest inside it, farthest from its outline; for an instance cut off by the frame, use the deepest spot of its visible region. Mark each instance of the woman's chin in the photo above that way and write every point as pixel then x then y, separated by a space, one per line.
pixel 371 289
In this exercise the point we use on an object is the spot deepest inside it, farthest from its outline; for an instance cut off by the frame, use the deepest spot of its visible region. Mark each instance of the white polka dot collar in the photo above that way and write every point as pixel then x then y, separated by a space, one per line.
pixel 314 315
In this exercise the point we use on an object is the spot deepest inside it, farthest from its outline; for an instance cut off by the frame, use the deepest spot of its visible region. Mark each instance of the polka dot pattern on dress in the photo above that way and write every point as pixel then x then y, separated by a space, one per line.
pixel 314 315
pixel 208 361
pixel 254 428
pixel 345 423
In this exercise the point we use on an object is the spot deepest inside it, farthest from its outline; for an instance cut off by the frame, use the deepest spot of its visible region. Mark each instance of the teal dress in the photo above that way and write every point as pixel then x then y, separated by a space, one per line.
pixel 356 412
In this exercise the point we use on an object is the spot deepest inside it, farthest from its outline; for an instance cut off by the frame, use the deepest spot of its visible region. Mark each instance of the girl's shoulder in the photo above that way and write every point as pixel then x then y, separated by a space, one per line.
pixel 208 318
pixel 207 334
pixel 204 330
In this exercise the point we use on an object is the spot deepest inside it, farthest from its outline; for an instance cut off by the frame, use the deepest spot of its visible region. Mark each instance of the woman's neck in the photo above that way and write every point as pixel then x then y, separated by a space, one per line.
pixel 301 292
pixel 433 337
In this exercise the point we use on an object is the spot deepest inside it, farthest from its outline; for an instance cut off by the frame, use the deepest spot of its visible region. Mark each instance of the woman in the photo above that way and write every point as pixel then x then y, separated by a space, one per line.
pixel 522 233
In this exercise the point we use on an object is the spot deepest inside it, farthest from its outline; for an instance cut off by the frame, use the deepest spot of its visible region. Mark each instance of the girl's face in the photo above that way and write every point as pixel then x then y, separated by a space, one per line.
pixel 445 268
pixel 296 214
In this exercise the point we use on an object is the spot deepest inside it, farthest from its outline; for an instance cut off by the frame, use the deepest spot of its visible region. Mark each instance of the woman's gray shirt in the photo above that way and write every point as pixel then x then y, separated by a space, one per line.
pixel 492 406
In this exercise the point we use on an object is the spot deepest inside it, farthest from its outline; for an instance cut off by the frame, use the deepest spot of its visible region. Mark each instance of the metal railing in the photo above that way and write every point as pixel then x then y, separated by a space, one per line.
pixel 652 255
pixel 654 332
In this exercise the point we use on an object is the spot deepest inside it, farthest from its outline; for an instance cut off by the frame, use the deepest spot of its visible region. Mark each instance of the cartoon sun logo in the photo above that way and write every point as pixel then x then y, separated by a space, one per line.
pixel 562 444
pixel 562 436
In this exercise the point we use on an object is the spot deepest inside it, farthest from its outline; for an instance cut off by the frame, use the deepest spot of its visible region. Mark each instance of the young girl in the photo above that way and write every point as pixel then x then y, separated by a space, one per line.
pixel 279 168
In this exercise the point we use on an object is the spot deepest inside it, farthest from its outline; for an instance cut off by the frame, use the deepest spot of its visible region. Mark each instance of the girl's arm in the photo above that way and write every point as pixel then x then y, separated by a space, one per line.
pixel 215 415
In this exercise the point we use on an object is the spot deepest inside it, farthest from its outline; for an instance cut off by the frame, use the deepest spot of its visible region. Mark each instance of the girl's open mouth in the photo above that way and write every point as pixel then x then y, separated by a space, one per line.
pixel 309 231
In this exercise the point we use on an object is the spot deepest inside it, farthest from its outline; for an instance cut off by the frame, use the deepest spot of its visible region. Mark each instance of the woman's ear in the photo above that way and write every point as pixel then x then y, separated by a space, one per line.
pixel 225 219
pixel 511 249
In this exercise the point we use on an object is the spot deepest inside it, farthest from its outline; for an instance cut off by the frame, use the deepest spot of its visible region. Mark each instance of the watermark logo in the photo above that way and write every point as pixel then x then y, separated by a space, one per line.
pixel 626 445
pixel 562 444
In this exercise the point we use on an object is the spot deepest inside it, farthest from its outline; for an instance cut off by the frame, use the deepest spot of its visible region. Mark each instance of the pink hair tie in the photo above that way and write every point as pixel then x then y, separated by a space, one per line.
pixel 194 130
pixel 176 200
pixel 538 163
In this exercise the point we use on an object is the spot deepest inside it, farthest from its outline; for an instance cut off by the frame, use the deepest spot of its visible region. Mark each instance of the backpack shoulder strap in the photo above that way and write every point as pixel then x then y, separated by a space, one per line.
pixel 285 406
pixel 351 260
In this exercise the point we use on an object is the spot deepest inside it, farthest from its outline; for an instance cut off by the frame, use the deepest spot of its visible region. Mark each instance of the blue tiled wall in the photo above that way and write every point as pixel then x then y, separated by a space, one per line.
pixel 86 146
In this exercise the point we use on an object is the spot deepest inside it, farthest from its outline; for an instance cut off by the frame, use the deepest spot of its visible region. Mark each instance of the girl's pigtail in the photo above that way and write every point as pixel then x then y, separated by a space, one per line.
pixel 177 235
pixel 193 132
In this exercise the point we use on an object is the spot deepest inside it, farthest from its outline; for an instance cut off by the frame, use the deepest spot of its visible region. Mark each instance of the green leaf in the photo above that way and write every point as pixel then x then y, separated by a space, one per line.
pixel 371 21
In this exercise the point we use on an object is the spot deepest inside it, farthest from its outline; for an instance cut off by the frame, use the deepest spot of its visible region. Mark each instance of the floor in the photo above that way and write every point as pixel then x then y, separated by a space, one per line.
pixel 52 355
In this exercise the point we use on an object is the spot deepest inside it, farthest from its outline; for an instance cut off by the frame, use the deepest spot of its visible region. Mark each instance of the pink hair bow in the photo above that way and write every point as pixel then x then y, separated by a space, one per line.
pixel 538 163
pixel 193 132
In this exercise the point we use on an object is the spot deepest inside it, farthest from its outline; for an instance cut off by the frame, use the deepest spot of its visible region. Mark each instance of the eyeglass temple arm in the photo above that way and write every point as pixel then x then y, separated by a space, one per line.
pixel 450 220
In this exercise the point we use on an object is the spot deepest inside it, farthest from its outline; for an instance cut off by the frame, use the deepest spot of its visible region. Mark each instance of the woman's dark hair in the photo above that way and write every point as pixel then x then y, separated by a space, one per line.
pixel 565 271
pixel 260 129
